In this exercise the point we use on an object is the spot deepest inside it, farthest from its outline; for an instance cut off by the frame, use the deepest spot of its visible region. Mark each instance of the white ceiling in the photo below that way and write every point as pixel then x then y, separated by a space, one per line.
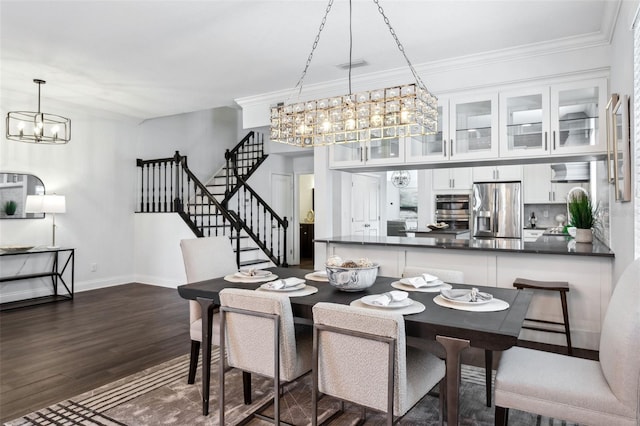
pixel 153 58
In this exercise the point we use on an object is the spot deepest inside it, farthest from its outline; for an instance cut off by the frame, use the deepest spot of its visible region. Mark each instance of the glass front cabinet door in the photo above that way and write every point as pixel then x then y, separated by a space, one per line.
pixel 577 117
pixel 433 147
pixel 524 123
pixel 372 152
pixel 474 127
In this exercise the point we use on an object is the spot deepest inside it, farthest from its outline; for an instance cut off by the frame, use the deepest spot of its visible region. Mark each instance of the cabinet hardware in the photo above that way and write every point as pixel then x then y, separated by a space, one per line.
pixel 453 183
pixel 361 155
pixel 444 147
pixel 450 147
pixel 554 140
pixel 550 196
pixel 545 141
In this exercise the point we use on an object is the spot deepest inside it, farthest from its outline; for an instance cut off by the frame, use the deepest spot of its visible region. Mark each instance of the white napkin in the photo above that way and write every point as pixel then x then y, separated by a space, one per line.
pixel 391 296
pixel 253 273
pixel 285 283
pixel 472 295
pixel 421 281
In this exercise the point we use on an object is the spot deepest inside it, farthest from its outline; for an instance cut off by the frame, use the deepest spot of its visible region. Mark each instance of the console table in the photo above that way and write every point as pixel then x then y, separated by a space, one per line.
pixel 61 274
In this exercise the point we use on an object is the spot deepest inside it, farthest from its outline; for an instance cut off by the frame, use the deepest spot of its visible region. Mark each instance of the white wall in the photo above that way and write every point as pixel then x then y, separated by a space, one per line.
pixel 96 173
pixel 621 82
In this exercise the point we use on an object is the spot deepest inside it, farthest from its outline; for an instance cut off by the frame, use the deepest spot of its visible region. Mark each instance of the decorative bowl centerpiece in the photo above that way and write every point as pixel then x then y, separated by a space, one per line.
pixel 349 275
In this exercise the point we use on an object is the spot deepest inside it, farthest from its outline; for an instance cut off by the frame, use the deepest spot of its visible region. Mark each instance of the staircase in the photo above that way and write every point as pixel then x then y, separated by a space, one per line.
pixel 257 233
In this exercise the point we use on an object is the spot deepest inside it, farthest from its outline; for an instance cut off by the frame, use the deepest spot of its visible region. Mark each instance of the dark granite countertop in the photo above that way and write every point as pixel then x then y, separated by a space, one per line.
pixel 544 245
pixel 440 231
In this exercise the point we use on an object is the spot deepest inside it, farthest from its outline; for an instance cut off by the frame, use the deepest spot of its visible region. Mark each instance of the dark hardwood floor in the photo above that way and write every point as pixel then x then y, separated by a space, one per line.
pixel 55 351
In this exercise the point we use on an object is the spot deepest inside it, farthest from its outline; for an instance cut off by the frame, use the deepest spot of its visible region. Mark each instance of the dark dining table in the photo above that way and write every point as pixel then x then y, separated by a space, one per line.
pixel 455 329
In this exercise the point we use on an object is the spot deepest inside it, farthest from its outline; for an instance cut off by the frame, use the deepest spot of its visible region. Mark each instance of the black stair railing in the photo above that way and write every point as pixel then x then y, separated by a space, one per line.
pixel 267 229
pixel 168 186
pixel 242 161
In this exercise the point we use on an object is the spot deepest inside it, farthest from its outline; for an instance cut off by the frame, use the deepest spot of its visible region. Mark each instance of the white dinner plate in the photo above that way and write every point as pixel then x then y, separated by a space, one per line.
pixel 463 302
pixel 269 286
pixel 434 283
pixel 316 277
pixel 368 300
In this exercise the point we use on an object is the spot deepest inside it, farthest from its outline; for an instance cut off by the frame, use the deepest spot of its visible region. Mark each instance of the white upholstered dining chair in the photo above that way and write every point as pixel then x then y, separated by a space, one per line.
pixel 259 335
pixel 604 392
pixel 204 258
pixel 360 355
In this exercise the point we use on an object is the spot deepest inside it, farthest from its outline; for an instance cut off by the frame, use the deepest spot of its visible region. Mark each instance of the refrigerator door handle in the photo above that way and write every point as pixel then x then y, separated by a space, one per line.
pixel 496 211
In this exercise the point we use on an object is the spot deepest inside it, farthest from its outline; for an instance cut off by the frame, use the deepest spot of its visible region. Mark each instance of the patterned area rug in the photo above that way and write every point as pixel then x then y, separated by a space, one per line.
pixel 161 396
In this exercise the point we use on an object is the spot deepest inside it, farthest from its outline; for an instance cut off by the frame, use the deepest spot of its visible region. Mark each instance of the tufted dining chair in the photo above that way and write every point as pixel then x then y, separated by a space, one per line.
pixel 260 337
pixel 360 355
pixel 604 392
pixel 204 258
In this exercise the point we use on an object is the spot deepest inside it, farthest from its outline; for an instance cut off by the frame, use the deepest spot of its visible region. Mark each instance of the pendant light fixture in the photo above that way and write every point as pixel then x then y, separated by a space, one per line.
pixel 393 112
pixel 400 178
pixel 38 127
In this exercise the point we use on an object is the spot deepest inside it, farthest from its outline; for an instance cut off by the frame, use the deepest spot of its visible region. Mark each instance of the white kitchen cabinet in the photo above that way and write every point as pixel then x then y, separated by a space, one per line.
pixel 539 189
pixel 373 152
pixel 452 180
pixel 553 120
pixel 497 173
pixel 473 124
pixel 434 147
pixel 467 130
pixel 577 117
pixel 525 117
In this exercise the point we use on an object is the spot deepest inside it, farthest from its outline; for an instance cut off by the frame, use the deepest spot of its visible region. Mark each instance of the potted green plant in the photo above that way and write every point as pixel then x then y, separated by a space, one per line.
pixel 10 207
pixel 583 215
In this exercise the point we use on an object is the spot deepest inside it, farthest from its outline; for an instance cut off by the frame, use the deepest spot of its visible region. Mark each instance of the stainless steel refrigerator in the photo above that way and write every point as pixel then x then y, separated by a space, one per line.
pixel 496 210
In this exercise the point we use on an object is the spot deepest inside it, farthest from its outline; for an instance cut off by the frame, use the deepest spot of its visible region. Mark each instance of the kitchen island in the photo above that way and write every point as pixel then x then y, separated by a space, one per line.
pixel 498 262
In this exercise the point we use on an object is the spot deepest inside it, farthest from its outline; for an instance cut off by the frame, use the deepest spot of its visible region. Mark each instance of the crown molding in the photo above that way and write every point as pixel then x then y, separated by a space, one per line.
pixel 394 76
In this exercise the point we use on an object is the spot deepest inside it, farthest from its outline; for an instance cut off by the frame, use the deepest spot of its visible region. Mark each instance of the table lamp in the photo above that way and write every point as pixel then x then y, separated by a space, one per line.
pixel 46 204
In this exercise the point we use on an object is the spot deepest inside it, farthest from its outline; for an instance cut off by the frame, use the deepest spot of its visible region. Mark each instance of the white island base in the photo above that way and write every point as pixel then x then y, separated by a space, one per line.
pixel 589 279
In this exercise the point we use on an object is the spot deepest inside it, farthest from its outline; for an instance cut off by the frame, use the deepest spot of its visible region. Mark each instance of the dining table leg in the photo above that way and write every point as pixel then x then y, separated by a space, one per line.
pixel 206 306
pixel 453 348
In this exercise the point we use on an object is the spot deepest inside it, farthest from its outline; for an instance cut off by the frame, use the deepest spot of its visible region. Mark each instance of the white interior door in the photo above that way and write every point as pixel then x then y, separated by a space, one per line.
pixel 282 204
pixel 365 205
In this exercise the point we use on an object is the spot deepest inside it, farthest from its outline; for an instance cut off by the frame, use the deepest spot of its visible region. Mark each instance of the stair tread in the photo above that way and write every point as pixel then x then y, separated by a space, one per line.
pixel 254 262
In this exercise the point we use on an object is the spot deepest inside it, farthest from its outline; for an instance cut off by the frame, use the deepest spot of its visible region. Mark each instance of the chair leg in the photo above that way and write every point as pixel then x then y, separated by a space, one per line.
pixel 502 416
pixel 246 387
pixel 193 361
pixel 565 314
pixel 488 367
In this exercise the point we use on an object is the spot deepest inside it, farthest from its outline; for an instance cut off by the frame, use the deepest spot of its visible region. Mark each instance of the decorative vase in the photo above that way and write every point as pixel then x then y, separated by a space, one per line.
pixel 584 235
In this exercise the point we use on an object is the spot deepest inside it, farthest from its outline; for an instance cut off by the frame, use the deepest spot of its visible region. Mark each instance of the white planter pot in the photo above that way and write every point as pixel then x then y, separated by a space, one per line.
pixel 584 235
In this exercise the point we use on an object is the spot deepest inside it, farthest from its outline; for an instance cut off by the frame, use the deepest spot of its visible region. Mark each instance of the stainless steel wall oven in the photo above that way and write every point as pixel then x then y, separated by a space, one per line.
pixel 453 209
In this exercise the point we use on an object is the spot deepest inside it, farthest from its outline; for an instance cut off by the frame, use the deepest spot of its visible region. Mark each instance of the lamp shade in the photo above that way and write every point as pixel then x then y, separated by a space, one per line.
pixel 34 204
pixel 45 204
pixel 54 204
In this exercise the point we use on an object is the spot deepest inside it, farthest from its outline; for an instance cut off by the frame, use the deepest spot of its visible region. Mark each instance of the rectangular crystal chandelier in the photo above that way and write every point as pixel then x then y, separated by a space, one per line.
pixel 395 112
pixel 401 111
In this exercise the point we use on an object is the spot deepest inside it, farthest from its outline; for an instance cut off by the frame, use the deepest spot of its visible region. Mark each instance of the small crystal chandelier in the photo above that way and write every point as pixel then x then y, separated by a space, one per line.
pixel 400 111
pixel 38 127
pixel 400 178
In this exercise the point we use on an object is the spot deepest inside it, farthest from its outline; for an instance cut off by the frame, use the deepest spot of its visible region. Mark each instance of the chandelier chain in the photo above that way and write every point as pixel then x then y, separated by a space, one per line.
pixel 400 46
pixel 313 48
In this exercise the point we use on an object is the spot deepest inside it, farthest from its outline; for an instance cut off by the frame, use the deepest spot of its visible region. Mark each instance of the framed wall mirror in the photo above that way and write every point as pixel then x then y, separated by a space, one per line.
pixel 622 149
pixel 613 101
pixel 14 188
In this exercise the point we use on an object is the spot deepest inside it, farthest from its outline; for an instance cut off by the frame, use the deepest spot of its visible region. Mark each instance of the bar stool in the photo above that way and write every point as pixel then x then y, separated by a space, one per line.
pixel 561 287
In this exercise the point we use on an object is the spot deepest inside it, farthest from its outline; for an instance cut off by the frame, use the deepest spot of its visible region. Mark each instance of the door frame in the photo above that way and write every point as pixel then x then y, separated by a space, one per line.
pixel 291 243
